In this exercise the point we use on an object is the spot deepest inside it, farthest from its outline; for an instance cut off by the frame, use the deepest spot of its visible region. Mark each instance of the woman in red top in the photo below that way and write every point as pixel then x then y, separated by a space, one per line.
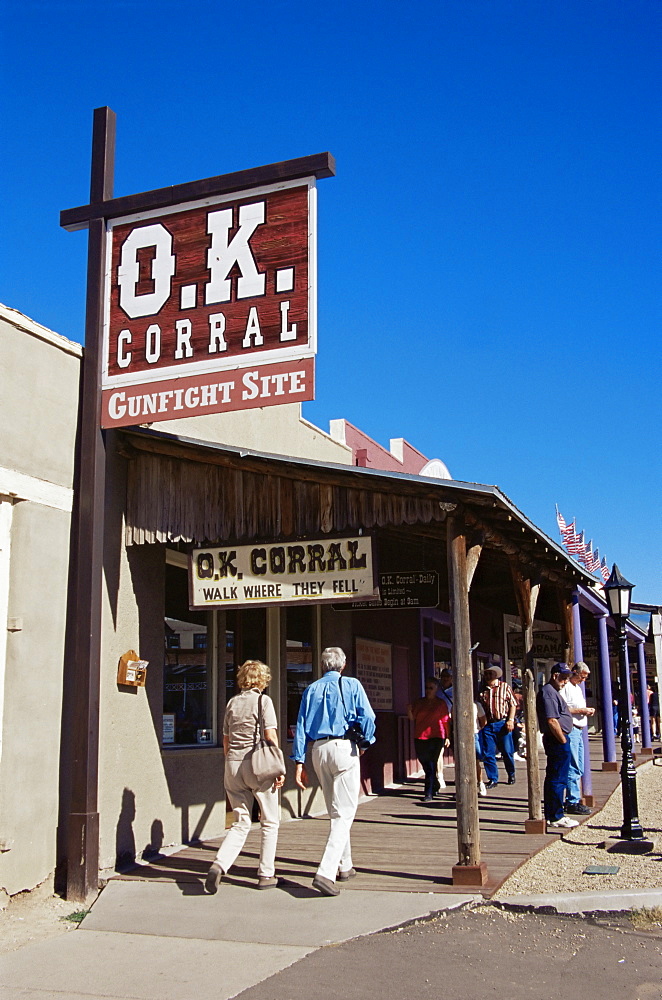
pixel 431 726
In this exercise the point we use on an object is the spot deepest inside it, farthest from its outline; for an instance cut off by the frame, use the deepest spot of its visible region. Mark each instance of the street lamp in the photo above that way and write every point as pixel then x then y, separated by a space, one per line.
pixel 618 591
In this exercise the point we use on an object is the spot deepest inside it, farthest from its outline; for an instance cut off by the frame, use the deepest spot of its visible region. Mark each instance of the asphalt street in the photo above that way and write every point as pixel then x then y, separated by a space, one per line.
pixel 481 953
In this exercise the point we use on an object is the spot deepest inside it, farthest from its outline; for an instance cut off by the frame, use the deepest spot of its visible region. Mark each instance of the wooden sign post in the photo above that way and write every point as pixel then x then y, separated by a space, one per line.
pixel 213 276
pixel 85 594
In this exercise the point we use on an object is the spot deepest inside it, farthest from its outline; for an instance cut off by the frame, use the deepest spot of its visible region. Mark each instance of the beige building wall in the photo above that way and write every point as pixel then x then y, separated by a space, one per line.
pixel 38 409
pixel 278 430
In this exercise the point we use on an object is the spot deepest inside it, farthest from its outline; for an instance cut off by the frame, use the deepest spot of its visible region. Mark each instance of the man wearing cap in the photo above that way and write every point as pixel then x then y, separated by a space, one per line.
pixel 555 722
pixel 573 694
pixel 500 705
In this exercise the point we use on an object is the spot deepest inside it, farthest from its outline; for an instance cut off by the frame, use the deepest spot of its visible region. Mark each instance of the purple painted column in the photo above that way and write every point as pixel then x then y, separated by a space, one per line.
pixel 578 653
pixel 608 735
pixel 643 700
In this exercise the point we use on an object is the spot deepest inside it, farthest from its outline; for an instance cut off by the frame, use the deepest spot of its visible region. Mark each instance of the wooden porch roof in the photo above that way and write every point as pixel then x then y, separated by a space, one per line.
pixel 196 492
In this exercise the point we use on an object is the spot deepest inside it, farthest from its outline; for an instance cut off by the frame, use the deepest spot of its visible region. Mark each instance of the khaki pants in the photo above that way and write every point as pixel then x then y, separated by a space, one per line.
pixel 239 788
pixel 338 768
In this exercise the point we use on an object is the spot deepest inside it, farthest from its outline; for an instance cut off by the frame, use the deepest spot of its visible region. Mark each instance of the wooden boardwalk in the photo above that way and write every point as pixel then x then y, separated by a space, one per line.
pixel 398 843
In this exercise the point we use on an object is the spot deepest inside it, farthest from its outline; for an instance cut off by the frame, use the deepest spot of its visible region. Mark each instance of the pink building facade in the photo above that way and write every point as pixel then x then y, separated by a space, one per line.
pixel 402 456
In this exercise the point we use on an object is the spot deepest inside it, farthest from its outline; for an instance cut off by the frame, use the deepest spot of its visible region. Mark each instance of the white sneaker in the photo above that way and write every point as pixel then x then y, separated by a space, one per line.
pixel 565 823
pixel 481 788
pixel 516 756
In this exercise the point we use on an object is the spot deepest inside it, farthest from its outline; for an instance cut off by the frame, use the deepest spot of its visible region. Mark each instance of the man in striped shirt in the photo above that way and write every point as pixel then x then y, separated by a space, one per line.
pixel 496 736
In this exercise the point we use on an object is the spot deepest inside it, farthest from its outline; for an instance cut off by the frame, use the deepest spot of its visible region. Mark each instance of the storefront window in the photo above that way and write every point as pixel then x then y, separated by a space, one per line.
pixel 188 689
pixel 299 660
pixel 245 639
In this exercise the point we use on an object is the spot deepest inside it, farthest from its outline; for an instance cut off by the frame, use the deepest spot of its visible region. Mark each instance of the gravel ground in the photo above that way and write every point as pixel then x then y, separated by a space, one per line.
pixel 34 916
pixel 559 867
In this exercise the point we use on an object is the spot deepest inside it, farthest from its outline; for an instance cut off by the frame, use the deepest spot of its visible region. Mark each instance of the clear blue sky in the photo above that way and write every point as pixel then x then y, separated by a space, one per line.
pixel 489 252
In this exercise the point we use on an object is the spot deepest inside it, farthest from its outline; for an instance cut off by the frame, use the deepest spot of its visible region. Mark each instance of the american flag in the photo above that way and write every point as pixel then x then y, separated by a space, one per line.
pixel 576 545
pixel 568 533
pixel 587 554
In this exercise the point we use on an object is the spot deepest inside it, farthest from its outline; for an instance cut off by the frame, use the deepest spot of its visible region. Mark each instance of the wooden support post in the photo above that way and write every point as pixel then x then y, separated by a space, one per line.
pixel 567 626
pixel 469 870
pixel 527 598
pixel 84 607
pixel 473 555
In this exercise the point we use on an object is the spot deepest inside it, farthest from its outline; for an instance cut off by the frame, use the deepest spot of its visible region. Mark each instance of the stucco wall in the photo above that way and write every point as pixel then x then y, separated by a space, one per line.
pixel 279 430
pixel 38 399
pixel 147 796
pixel 38 406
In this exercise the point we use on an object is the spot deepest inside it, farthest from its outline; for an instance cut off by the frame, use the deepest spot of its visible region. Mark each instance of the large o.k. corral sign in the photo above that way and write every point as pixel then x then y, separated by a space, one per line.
pixel 211 305
pixel 315 571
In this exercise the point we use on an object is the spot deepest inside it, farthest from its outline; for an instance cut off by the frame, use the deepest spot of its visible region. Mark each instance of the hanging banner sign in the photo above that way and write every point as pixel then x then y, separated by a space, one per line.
pixel 546 645
pixel 307 572
pixel 202 299
pixel 414 589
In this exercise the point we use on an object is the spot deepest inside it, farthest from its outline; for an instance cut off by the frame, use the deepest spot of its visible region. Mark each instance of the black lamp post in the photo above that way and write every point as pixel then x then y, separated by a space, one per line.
pixel 618 591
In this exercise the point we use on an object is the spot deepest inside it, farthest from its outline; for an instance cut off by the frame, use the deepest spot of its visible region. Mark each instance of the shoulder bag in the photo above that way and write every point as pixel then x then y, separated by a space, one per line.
pixel 267 760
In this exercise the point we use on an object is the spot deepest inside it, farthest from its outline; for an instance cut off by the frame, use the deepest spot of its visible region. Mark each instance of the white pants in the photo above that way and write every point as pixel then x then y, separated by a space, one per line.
pixel 238 786
pixel 338 768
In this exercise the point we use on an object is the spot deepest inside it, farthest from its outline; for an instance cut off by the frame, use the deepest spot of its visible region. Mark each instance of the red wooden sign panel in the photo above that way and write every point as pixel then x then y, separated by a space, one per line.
pixel 219 285
pixel 241 389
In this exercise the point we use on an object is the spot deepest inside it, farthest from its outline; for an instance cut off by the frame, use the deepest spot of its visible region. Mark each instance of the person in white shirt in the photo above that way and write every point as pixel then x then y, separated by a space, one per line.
pixel 573 694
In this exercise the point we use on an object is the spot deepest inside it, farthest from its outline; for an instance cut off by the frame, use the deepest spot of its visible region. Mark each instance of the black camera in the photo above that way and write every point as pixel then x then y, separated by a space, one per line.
pixel 354 733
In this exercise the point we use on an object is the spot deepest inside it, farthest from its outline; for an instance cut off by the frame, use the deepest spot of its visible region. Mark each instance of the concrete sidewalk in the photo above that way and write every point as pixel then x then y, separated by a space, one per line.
pixel 168 941
pixel 163 941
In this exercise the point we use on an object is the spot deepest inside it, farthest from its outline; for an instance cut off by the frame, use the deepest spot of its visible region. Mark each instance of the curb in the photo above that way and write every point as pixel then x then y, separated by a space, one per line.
pixel 612 902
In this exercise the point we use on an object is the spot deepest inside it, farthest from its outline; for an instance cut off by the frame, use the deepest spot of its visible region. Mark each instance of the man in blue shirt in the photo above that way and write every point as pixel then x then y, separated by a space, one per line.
pixel 328 707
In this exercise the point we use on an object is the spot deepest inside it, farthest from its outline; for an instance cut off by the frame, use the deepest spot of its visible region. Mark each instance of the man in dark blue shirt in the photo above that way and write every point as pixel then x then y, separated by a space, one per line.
pixel 555 723
pixel 329 706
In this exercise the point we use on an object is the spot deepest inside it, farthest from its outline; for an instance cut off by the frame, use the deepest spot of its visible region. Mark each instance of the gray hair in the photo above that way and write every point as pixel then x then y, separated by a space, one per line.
pixel 333 658
pixel 580 668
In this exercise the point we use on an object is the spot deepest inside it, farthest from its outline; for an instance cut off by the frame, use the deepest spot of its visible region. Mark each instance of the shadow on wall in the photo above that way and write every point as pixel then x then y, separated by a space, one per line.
pixel 125 842
pixel 153 849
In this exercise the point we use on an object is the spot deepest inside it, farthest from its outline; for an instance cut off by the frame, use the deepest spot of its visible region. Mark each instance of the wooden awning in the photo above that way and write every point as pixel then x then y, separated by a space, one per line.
pixel 182 490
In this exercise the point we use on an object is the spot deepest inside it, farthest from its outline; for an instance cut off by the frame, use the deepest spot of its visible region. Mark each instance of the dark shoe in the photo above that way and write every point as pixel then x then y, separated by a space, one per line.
pixel 343 876
pixel 213 878
pixel 578 809
pixel 325 886
pixel 267 883
pixel 428 798
pixel 437 788
pixel 491 784
pixel 511 779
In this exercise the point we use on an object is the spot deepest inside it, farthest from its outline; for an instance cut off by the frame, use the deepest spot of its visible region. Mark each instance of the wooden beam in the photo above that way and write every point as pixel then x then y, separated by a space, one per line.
pixel 497 540
pixel 473 555
pixel 527 594
pixel 470 870
pixel 85 597
pixel 105 207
